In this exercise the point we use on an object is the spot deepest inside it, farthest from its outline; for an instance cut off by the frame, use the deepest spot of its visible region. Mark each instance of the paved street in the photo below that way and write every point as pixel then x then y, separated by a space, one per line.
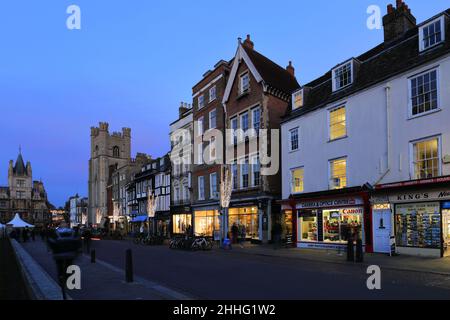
pixel 235 275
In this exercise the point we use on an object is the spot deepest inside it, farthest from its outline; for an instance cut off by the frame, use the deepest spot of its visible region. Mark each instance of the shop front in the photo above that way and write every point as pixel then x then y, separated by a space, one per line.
pixel 248 222
pixel 206 221
pixel 419 214
pixel 327 222
pixel 181 220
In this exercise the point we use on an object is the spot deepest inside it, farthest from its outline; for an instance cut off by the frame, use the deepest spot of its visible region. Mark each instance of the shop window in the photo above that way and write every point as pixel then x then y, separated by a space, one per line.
pixel 206 222
pixel 247 221
pixel 308 226
pixel 426 162
pixel 338 123
pixel 181 223
pixel 339 224
pixel 338 173
pixel 418 225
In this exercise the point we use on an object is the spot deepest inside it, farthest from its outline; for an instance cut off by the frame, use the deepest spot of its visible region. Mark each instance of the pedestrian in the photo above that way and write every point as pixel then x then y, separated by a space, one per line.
pixel 87 238
pixel 243 235
pixel 234 232
pixel 276 231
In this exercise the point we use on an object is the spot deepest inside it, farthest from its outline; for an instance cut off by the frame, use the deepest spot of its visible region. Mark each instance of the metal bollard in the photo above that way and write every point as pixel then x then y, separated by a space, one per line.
pixel 92 256
pixel 128 266
pixel 359 251
pixel 350 250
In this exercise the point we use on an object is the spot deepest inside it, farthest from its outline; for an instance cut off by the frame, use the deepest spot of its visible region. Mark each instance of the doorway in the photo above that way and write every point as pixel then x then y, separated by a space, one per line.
pixel 382 230
pixel 446 232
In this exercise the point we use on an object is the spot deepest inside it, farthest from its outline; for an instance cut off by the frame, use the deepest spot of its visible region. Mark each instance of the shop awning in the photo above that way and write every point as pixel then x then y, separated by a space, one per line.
pixel 139 219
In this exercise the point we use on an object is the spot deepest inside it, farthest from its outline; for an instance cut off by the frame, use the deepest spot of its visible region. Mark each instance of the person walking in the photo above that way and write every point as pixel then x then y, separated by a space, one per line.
pixel 87 238
pixel 234 233
pixel 277 229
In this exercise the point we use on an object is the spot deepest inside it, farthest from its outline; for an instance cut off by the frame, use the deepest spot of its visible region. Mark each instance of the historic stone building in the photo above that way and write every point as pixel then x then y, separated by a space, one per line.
pixel 24 196
pixel 108 152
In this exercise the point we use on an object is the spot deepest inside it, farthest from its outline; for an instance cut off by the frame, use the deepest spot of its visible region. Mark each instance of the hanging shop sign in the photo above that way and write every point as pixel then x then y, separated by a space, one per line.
pixel 330 203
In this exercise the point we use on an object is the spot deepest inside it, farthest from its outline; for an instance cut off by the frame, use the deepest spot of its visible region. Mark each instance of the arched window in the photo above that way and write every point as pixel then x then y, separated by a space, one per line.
pixel 116 152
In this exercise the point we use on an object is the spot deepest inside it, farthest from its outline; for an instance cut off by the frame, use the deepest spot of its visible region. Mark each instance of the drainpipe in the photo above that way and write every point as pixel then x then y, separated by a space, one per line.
pixel 387 89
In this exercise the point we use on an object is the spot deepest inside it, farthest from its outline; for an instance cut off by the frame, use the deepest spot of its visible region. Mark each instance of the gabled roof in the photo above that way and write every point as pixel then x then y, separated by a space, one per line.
pixel 263 70
pixel 376 65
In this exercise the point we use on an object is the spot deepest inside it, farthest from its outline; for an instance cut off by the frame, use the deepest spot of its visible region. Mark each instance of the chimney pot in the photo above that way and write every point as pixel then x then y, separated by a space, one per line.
pixel 249 43
pixel 397 21
pixel 290 68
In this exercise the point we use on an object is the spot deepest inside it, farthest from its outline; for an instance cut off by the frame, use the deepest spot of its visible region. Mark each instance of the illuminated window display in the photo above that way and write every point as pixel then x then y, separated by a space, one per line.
pixel 418 225
pixel 206 222
pixel 247 220
pixel 308 225
pixel 339 224
pixel 181 222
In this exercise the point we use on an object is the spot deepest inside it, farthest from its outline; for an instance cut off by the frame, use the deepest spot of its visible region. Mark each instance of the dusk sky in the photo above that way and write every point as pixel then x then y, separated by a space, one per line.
pixel 132 63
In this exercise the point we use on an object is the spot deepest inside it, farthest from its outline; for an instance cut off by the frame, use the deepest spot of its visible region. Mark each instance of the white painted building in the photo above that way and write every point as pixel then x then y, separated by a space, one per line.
pixel 360 140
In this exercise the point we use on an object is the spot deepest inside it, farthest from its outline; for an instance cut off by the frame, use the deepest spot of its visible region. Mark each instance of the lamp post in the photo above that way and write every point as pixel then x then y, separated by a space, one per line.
pixel 226 189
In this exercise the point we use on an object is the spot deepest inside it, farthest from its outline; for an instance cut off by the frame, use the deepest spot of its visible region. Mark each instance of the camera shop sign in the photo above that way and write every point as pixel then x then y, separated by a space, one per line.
pixel 420 196
pixel 330 203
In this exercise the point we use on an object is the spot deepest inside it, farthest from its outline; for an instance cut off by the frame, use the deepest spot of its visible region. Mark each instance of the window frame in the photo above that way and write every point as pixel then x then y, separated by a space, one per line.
pixel 292 185
pixel 253 111
pixel 290 139
pixel 298 92
pixel 254 160
pixel 214 111
pixel 438 89
pixel 201 187
pixel 330 172
pixel 212 97
pixel 330 111
pixel 201 101
pixel 243 90
pixel 211 192
pixel 441 20
pixel 412 159
pixel 244 162
pixel 333 75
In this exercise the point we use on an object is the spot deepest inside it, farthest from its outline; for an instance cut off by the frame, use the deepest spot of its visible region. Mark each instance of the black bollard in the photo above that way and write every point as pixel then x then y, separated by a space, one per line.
pixel 92 256
pixel 350 250
pixel 128 266
pixel 359 251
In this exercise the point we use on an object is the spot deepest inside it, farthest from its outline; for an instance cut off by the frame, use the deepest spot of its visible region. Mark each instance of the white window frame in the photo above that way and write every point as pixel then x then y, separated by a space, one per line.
pixel 200 129
pixel 243 131
pixel 290 139
pixel 253 110
pixel 214 111
pixel 330 110
pixel 330 172
pixel 212 96
pixel 201 187
pixel 243 90
pixel 438 88
pixel 333 75
pixel 441 19
pixel 234 167
pixel 294 95
pixel 252 163
pixel 200 153
pixel 412 172
pixel 244 162
pixel 201 101
pixel 234 133
pixel 292 180
pixel 212 193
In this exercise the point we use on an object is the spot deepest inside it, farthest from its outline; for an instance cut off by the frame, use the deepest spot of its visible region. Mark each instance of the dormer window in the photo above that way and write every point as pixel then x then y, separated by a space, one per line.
pixel 432 34
pixel 342 76
pixel 297 99
pixel 244 83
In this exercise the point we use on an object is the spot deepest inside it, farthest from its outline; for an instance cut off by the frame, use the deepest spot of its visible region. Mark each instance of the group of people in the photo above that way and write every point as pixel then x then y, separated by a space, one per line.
pixel 23 234
pixel 238 234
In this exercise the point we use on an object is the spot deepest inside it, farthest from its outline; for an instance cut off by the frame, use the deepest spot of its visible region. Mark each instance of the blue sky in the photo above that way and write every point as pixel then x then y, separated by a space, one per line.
pixel 134 61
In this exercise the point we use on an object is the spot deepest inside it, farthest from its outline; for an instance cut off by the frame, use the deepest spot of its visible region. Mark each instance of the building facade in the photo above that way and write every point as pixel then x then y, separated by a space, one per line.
pixel 181 137
pixel 364 139
pixel 256 97
pixel 78 210
pixel 24 196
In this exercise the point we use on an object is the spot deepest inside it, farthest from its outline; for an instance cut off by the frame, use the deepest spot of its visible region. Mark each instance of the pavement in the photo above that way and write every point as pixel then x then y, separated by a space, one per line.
pixel 397 262
pixel 100 280
pixel 249 273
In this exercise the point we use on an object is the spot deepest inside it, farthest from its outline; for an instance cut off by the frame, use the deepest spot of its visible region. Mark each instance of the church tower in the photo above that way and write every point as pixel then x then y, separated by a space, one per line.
pixel 107 151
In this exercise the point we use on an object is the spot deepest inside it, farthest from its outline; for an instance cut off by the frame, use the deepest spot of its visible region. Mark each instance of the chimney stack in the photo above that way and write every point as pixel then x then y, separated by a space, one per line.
pixel 184 107
pixel 249 43
pixel 397 21
pixel 290 68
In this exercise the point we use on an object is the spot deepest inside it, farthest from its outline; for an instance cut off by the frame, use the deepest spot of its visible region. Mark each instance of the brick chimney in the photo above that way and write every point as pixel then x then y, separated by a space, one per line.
pixel 184 107
pixel 290 68
pixel 397 21
pixel 249 43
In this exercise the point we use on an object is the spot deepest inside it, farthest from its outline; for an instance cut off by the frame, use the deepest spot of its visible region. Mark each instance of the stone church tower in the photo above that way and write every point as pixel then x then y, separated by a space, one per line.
pixel 108 152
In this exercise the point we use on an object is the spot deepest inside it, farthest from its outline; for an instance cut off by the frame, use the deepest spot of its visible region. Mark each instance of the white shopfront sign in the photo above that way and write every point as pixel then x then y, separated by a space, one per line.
pixel 330 203
pixel 420 196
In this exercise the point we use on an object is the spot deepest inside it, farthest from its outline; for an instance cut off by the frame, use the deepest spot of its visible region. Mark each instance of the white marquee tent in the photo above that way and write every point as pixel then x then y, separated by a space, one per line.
pixel 17 222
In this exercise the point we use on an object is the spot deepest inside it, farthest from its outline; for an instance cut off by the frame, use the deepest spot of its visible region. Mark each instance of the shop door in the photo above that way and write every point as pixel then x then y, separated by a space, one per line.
pixel 446 231
pixel 381 231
